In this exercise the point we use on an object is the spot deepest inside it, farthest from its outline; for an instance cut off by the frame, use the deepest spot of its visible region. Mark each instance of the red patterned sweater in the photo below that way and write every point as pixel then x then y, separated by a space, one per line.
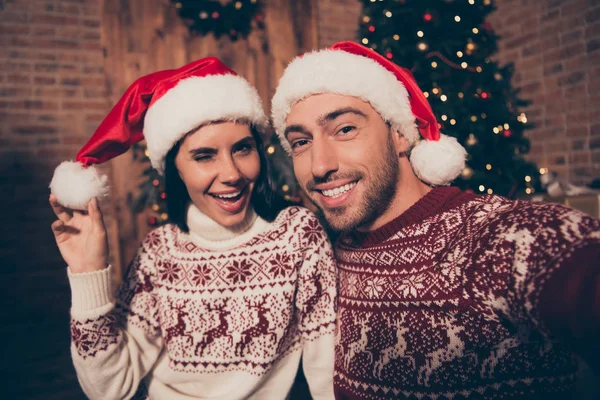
pixel 213 314
pixel 447 301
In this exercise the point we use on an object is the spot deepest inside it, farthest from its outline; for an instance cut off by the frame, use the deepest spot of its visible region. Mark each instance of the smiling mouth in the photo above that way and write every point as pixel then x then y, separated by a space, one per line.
pixel 230 197
pixel 338 191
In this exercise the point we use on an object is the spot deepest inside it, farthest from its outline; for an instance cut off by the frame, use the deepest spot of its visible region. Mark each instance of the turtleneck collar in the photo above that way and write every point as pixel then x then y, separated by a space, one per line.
pixel 209 234
pixel 438 199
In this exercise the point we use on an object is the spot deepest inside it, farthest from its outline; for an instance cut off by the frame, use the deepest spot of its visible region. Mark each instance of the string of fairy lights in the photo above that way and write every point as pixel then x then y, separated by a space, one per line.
pixel 467 59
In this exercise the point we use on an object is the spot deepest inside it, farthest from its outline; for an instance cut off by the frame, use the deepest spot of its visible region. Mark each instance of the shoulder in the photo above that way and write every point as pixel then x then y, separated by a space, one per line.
pixel 547 219
pixel 297 215
pixel 163 239
pixel 303 224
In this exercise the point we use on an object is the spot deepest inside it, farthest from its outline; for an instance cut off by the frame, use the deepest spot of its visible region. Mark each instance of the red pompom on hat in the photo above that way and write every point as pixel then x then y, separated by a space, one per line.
pixel 350 69
pixel 161 107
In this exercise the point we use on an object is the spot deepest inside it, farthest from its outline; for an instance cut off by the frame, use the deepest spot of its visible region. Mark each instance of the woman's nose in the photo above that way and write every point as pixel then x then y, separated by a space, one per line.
pixel 229 173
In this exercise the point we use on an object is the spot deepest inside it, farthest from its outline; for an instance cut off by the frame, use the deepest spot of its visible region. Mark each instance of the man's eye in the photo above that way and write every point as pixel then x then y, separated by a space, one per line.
pixel 299 143
pixel 346 129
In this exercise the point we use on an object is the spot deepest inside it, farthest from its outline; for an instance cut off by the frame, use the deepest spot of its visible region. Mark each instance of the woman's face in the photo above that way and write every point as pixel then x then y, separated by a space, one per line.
pixel 219 165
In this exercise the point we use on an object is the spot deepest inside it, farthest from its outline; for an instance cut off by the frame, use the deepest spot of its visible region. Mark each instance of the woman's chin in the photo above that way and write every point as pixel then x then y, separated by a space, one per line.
pixel 230 220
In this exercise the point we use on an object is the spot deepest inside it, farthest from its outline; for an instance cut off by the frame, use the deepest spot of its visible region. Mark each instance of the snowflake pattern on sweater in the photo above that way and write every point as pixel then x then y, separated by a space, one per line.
pixel 445 305
pixel 240 310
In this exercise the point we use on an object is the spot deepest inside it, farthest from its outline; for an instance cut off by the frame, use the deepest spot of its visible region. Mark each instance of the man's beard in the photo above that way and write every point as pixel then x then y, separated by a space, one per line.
pixel 375 201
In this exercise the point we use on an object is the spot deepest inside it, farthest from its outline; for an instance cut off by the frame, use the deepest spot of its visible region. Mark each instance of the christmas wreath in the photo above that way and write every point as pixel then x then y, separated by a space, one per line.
pixel 234 18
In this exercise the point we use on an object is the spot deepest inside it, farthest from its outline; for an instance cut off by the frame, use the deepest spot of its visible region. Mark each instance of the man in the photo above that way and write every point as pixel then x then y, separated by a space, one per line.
pixel 443 294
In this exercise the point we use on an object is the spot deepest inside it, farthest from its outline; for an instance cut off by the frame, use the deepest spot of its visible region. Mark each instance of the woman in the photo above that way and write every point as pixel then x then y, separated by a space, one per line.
pixel 220 304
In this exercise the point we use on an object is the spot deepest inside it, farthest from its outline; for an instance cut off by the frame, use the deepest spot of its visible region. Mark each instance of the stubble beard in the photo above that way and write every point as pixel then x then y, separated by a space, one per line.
pixel 376 199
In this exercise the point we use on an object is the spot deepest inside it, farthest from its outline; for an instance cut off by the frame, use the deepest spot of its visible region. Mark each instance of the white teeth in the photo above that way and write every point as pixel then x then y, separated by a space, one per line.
pixel 227 196
pixel 338 190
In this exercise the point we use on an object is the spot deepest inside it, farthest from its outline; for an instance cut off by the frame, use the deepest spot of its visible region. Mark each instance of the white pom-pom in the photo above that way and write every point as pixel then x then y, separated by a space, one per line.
pixel 438 162
pixel 75 185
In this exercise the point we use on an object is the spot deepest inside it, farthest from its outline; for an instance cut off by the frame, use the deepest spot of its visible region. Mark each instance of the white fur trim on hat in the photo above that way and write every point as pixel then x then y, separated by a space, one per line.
pixel 438 162
pixel 340 72
pixel 75 185
pixel 195 101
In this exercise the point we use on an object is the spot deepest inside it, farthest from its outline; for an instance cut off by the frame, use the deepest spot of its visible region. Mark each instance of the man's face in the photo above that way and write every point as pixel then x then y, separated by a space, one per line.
pixel 344 158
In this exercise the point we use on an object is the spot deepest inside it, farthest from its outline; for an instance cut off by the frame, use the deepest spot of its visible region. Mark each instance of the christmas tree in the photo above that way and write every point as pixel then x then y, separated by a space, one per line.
pixel 448 46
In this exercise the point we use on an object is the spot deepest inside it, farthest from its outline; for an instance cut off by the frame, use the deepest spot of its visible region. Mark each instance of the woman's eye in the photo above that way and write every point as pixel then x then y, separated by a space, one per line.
pixel 201 158
pixel 245 149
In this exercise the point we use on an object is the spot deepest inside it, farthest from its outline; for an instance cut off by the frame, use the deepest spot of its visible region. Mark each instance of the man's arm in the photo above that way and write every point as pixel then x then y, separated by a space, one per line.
pixel 569 303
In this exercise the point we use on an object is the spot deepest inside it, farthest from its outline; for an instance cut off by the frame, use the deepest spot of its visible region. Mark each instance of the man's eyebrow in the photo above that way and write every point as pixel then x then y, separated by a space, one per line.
pixel 295 128
pixel 336 113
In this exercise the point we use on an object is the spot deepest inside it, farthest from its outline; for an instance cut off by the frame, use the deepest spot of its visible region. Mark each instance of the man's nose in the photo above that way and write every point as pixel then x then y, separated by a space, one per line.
pixel 324 158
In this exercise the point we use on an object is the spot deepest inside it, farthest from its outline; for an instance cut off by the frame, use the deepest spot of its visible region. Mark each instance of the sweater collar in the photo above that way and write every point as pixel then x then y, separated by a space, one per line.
pixel 438 199
pixel 210 234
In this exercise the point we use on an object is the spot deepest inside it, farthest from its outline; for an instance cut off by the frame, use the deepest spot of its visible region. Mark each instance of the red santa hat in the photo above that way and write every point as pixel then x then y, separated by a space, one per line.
pixel 350 69
pixel 161 108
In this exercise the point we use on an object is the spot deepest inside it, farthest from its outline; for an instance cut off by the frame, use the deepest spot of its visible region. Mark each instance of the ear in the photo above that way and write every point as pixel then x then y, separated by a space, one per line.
pixel 401 143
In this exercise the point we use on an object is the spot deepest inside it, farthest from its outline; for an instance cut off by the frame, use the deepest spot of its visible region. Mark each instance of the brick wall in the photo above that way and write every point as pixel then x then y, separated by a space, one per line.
pixel 52 95
pixel 555 45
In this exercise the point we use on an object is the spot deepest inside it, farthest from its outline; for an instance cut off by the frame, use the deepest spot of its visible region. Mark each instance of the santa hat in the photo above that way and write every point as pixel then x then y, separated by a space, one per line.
pixel 161 108
pixel 350 69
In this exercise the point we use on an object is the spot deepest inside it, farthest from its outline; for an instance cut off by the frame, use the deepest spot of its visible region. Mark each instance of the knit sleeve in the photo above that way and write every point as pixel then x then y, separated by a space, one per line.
pixel 115 342
pixel 555 267
pixel 316 303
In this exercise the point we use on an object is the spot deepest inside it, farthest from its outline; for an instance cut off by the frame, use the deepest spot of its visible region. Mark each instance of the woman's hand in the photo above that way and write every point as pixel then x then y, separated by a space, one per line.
pixel 81 237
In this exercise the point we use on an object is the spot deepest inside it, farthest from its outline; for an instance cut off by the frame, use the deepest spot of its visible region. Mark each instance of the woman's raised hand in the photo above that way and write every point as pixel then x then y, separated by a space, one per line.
pixel 81 236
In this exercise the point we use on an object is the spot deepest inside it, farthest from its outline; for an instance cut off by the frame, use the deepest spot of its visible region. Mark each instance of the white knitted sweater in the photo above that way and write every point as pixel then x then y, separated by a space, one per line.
pixel 213 314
